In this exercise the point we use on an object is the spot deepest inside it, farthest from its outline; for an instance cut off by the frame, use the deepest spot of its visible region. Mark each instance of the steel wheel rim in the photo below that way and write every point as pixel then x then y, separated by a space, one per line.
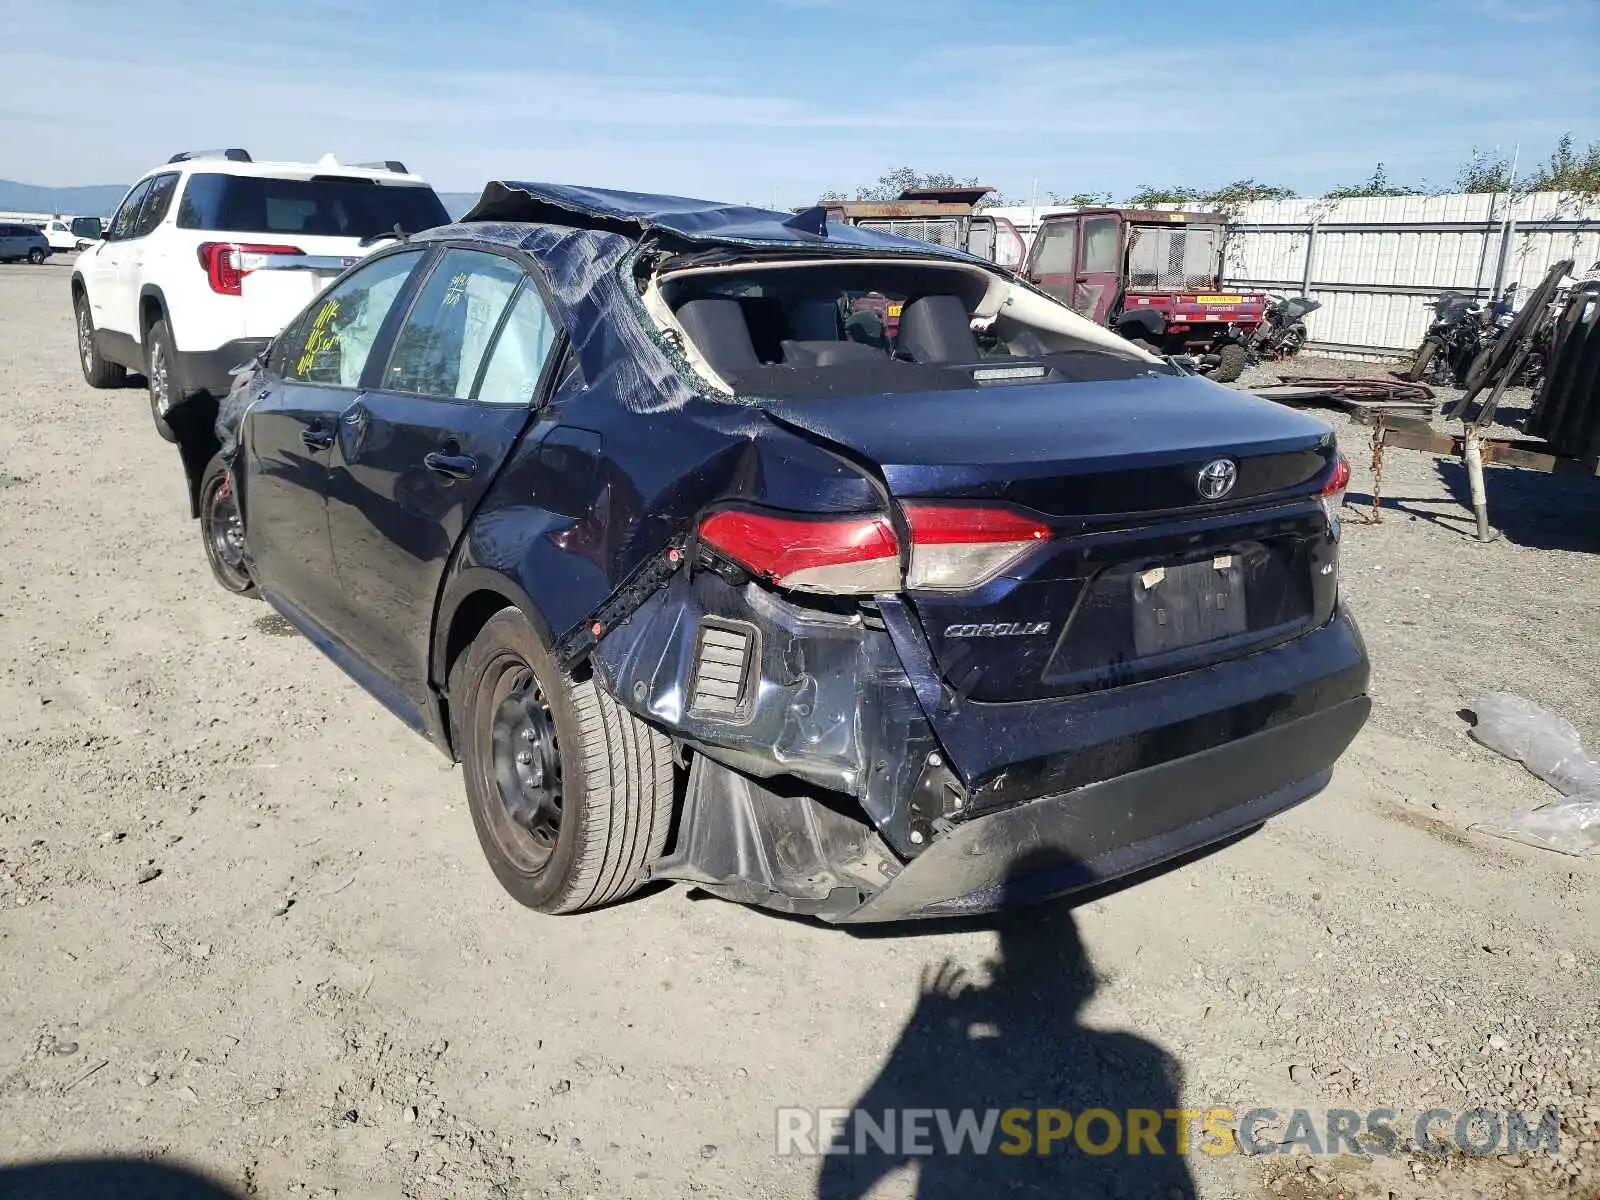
pixel 225 536
pixel 85 338
pixel 524 770
pixel 158 380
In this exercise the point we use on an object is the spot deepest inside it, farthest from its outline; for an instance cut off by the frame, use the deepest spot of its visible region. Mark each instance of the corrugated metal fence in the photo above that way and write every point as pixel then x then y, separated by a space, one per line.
pixel 1376 263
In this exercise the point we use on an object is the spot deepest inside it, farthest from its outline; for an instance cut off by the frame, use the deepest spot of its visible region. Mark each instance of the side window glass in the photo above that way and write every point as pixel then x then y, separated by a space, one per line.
pixel 443 342
pixel 518 357
pixel 122 222
pixel 156 203
pixel 1100 244
pixel 1056 249
pixel 331 341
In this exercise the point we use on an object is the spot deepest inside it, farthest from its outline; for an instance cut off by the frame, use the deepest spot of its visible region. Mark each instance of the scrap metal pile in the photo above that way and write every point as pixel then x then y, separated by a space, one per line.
pixel 1556 329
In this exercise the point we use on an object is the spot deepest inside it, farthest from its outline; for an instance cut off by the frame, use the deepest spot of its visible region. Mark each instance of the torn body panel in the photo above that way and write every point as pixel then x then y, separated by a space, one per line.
pixel 838 758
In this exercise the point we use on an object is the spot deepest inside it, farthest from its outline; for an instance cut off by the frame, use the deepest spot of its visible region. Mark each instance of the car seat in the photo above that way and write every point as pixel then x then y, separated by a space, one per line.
pixel 937 329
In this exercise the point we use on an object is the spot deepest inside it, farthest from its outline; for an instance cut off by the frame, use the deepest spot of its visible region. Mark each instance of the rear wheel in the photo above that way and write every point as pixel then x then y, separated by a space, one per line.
pixel 1231 362
pixel 570 793
pixel 37 256
pixel 223 531
pixel 1421 361
pixel 162 376
pixel 97 371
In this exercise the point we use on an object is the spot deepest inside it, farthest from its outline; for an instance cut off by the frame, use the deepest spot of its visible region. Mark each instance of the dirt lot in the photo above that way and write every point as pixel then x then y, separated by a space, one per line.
pixel 246 925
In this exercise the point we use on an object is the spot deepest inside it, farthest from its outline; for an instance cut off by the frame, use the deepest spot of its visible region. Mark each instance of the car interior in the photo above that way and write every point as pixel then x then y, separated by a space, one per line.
pixel 825 328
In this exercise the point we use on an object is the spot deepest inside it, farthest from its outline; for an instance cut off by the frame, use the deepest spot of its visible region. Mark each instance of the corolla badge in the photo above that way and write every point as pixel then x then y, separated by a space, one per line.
pixel 1216 478
pixel 998 629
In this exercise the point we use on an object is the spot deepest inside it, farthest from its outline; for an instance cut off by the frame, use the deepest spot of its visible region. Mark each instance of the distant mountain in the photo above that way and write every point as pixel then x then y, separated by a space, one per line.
pixel 100 200
pixel 94 201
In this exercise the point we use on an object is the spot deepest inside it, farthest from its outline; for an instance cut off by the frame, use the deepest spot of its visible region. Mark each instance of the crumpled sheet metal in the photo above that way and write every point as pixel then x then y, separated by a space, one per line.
pixel 682 219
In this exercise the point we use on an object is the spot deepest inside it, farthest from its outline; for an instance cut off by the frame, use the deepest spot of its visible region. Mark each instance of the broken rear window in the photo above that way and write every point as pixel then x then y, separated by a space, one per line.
pixel 808 328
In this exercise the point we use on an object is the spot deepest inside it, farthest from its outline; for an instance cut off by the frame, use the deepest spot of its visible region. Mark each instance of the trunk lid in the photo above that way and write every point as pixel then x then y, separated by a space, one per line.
pixel 1143 575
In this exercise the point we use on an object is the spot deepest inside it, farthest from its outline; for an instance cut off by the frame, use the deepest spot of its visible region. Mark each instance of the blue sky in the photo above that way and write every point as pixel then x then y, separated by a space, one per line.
pixel 785 98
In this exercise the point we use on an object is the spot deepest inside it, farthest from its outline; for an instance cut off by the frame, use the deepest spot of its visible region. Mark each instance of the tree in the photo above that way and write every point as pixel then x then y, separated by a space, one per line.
pixel 1485 171
pixel 892 183
pixel 1569 171
pixel 1378 185
pixel 1148 197
pixel 1082 199
pixel 1245 191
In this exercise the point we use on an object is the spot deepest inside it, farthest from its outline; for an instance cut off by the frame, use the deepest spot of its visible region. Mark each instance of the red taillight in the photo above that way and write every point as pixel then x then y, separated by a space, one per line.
pixel 954 548
pixel 1333 490
pixel 849 555
pixel 226 265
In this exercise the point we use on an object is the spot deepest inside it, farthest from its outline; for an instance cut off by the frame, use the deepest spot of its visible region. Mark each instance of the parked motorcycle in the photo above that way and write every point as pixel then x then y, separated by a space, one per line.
pixel 1453 341
pixel 1282 331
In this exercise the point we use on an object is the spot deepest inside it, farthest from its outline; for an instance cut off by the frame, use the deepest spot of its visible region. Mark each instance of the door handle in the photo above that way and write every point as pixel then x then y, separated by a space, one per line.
pixel 451 466
pixel 316 437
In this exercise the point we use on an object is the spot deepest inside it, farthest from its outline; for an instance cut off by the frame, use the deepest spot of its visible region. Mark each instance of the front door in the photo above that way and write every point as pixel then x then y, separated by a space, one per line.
pixel 113 309
pixel 313 376
pixel 416 453
pixel 1053 263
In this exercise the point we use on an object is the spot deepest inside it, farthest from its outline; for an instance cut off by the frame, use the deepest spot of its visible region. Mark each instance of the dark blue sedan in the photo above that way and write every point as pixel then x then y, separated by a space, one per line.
pixel 824 570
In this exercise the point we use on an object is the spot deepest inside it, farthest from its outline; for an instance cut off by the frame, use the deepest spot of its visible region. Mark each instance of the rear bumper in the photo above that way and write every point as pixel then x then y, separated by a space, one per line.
pixel 1058 844
pixel 210 370
pixel 848 784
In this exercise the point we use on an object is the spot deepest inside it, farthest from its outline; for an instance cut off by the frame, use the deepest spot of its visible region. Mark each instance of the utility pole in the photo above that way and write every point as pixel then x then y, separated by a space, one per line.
pixel 1509 229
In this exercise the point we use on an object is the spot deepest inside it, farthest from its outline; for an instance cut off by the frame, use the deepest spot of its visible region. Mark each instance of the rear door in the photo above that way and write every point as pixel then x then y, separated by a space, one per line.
pixel 314 375
pixel 132 264
pixel 1053 264
pixel 1098 280
pixel 416 454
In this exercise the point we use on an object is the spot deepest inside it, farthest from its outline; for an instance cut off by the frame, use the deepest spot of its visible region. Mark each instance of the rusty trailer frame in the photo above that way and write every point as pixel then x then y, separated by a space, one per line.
pixel 1472 448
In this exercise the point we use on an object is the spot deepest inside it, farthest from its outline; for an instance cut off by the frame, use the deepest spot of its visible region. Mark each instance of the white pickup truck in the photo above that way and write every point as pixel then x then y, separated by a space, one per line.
pixel 66 234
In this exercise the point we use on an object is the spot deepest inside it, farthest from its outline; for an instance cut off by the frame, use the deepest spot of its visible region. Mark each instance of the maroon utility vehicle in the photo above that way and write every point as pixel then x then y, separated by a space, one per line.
pixel 1153 277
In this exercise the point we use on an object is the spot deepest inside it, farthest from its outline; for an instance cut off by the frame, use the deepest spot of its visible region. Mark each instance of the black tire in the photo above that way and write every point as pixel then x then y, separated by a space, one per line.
pixel 223 532
pixel 1421 361
pixel 590 804
pixel 1299 336
pixel 1231 362
pixel 97 371
pixel 161 377
pixel 37 256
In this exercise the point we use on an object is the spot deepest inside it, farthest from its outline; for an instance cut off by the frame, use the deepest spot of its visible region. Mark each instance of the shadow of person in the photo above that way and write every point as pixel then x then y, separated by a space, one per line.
pixel 1016 1043
pixel 108 1179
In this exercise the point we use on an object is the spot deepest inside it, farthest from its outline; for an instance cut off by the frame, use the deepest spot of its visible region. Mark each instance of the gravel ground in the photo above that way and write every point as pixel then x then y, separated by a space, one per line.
pixel 246 924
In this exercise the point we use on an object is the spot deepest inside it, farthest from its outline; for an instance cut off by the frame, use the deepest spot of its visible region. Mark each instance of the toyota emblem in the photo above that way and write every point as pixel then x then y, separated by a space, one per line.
pixel 1216 479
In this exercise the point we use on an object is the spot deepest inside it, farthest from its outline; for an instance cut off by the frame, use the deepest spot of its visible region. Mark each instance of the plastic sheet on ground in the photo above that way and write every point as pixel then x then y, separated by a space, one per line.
pixel 1553 750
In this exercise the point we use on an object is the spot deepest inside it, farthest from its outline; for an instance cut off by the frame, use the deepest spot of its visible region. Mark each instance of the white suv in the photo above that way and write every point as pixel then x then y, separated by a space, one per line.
pixel 164 293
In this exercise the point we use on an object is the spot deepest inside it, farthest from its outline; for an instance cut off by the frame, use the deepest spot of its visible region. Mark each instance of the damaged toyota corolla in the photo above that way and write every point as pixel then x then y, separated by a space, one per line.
pixel 826 571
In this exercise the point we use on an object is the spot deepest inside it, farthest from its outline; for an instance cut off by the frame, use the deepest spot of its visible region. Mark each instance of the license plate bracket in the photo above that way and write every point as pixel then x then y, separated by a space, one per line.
pixel 1188 604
